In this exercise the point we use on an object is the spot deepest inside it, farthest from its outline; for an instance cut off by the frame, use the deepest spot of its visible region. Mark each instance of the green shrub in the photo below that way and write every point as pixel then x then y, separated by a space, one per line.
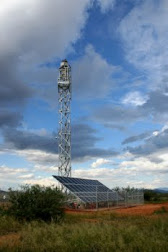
pixel 36 203
pixel 154 196
pixel 2 210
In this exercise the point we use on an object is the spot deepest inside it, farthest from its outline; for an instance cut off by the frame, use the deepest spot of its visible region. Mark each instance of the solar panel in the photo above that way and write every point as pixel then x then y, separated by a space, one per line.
pixel 88 190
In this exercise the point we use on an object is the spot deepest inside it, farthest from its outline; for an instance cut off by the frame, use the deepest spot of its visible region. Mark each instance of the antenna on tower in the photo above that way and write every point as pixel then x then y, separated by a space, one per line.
pixel 64 134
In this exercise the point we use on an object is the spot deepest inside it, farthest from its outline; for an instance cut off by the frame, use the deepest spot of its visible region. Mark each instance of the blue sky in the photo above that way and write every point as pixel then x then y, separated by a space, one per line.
pixel 118 53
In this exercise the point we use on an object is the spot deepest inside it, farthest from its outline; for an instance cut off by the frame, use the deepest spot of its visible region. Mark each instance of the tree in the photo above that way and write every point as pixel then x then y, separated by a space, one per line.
pixel 36 203
pixel 150 195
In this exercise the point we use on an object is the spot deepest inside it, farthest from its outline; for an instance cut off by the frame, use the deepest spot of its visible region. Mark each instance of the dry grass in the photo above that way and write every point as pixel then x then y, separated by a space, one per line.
pixel 98 231
pixel 9 241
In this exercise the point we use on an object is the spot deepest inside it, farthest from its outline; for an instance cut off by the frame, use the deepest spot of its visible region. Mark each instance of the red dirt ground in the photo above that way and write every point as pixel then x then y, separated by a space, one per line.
pixel 11 240
pixel 146 209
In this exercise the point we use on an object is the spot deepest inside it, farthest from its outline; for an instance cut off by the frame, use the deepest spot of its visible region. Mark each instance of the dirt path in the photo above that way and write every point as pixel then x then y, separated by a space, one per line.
pixel 146 209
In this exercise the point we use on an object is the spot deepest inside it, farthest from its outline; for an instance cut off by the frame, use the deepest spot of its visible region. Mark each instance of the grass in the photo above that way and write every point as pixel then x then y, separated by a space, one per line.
pixel 8 225
pixel 162 210
pixel 98 231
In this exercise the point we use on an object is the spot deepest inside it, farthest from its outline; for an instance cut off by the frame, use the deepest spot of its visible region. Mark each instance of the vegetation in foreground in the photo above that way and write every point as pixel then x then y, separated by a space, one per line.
pixel 33 223
pixel 88 232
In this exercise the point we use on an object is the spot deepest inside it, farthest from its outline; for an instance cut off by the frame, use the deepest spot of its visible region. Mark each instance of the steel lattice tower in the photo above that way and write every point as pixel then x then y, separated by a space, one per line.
pixel 64 135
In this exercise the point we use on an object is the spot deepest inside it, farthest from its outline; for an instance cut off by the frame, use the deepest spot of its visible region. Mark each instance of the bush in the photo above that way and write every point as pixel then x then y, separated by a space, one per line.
pixel 36 203
pixel 150 195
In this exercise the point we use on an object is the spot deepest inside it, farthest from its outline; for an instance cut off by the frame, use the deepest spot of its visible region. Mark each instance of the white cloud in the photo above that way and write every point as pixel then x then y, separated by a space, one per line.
pixel 165 127
pixel 38 156
pixel 46 168
pixel 124 176
pixel 5 170
pixel 40 163
pixel 144 165
pixel 137 172
pixel 27 176
pixel 48 181
pixel 155 133
pixel 15 177
pixel 92 173
pixel 99 162
pixel 93 72
pixel 11 177
pixel 145 35
pixel 106 5
pixel 134 98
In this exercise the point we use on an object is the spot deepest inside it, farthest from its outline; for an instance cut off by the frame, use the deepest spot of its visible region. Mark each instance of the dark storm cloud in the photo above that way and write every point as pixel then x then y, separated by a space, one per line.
pixel 157 102
pixel 156 160
pixel 86 152
pixel 136 138
pixel 114 126
pixel 83 142
pixel 25 140
pixel 12 90
pixel 117 115
pixel 151 145
pixel 10 119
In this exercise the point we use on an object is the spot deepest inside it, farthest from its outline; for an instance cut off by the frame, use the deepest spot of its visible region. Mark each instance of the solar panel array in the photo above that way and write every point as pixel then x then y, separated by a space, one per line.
pixel 88 190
